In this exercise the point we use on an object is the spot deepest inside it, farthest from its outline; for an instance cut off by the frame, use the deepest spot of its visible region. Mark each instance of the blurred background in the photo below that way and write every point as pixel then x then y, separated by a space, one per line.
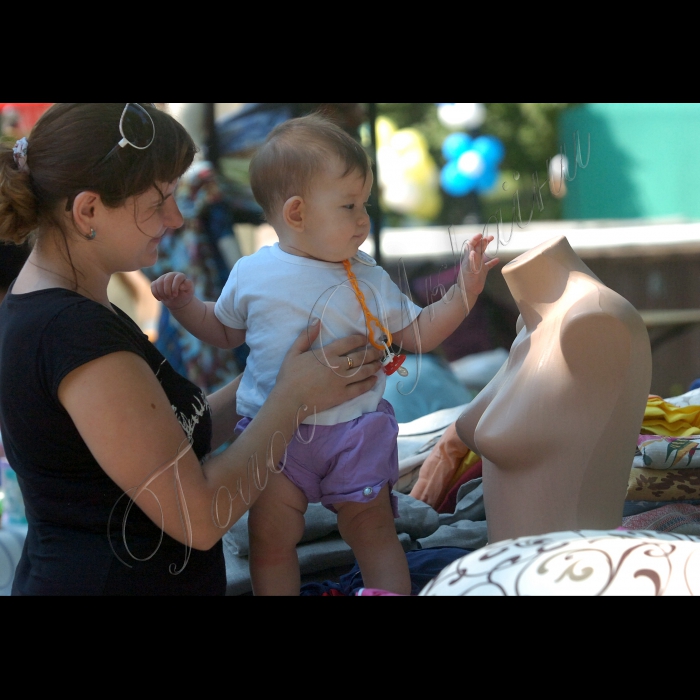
pixel 619 180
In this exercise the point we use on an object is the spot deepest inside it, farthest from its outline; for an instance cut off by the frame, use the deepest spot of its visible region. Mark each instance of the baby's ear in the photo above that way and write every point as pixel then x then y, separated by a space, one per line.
pixel 293 213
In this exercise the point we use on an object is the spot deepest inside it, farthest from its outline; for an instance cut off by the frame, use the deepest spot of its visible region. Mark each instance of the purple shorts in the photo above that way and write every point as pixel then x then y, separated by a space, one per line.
pixel 346 462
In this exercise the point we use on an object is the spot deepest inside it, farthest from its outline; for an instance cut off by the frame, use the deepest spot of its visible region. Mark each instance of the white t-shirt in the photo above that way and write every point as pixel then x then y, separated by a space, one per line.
pixel 274 295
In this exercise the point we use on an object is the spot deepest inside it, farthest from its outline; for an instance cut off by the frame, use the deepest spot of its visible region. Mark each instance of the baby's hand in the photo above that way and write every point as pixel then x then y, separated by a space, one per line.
pixel 174 290
pixel 475 266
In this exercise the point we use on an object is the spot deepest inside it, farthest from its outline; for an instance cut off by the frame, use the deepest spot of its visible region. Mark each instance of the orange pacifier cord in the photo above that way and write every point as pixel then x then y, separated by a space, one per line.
pixel 371 318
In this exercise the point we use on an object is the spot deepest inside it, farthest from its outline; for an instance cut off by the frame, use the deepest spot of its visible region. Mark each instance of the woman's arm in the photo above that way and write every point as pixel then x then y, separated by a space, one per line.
pixel 127 422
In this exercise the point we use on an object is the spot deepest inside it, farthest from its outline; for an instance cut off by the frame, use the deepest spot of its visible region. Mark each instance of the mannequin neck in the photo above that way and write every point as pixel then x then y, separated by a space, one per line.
pixel 539 277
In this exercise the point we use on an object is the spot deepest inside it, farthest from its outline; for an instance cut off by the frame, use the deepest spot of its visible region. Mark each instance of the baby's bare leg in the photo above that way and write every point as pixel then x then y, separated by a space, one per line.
pixel 369 529
pixel 276 525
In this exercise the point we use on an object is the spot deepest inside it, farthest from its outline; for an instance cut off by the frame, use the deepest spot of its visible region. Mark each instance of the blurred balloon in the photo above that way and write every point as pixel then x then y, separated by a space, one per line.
pixel 454 181
pixel 472 164
pixel 461 115
pixel 408 176
pixel 490 148
pixel 558 173
pixel 385 130
pixel 455 145
pixel 487 181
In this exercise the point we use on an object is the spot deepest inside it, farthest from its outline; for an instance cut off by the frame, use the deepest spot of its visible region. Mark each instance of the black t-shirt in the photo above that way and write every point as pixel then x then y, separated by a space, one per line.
pixel 69 499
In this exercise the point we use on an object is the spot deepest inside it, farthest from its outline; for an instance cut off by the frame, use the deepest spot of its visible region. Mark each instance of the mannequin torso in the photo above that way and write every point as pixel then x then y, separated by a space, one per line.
pixel 557 426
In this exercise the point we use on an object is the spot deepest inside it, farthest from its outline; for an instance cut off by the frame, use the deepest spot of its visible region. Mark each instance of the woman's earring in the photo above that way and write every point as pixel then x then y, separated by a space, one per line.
pixel 92 235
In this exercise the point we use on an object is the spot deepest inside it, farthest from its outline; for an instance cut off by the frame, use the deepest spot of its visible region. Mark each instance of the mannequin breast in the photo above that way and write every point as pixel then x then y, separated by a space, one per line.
pixel 538 405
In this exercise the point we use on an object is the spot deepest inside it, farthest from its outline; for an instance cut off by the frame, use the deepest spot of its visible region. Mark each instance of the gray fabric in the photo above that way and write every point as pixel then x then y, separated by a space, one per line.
pixel 466 527
pixel 688 529
pixel 419 526
pixel 417 519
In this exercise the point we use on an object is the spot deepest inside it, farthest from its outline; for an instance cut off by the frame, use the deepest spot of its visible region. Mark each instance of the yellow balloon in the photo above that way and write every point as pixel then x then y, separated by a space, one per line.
pixel 407 140
pixel 430 205
pixel 385 131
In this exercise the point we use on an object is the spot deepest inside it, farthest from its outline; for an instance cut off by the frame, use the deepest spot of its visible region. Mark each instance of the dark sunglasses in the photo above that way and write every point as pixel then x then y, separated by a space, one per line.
pixel 136 127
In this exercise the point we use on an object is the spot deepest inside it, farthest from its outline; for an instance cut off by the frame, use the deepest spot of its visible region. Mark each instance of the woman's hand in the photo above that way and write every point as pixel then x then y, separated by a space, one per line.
pixel 331 375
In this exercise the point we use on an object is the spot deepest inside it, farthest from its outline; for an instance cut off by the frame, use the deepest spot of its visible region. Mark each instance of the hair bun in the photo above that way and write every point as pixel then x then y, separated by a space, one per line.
pixel 18 203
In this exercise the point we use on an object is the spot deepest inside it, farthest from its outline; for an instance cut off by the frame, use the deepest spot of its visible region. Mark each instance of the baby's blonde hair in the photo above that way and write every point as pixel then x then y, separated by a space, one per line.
pixel 294 153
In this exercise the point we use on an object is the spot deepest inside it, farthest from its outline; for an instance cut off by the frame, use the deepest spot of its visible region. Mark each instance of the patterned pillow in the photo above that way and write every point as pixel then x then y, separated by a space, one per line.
pixel 577 563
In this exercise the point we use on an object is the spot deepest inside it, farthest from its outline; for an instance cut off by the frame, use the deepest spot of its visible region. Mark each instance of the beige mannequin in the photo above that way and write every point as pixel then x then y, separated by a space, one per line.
pixel 557 426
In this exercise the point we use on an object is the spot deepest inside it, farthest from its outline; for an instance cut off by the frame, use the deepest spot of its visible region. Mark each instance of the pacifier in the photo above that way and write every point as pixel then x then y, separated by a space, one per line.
pixel 392 362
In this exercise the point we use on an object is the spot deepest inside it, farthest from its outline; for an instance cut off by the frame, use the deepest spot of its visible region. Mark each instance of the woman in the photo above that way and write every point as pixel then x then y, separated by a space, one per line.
pixel 90 411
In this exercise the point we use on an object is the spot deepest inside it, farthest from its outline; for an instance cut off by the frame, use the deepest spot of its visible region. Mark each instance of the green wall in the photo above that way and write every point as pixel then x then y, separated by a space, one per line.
pixel 644 161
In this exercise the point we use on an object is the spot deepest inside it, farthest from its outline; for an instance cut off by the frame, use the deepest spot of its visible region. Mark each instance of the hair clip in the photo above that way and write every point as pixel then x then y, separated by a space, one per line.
pixel 20 154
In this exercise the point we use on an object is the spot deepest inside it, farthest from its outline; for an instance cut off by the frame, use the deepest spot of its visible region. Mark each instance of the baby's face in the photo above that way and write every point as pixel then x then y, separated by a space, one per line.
pixel 337 223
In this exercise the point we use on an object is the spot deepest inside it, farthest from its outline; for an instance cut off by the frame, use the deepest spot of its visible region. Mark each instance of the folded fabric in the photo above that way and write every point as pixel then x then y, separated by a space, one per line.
pixel 663 485
pixel 450 503
pixel 416 520
pixel 419 527
pixel 665 519
pixel 442 468
pixel 664 418
pixel 690 398
pixel 664 452
pixel 637 507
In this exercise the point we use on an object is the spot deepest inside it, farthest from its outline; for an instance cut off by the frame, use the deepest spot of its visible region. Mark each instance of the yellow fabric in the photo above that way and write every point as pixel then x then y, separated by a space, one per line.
pixel 662 418
pixel 469 461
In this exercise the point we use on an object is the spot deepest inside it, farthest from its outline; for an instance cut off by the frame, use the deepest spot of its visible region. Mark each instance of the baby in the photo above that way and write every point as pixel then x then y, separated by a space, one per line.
pixel 313 182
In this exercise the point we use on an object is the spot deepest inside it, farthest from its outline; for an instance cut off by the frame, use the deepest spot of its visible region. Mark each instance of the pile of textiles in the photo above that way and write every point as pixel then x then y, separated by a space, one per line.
pixel 323 554
pixel 663 493
pixel 441 497
pixel 665 469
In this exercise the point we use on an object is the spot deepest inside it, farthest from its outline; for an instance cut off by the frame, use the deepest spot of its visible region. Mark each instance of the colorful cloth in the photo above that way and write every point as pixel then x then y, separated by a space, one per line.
pixel 664 519
pixel 193 250
pixel 449 505
pixel 661 452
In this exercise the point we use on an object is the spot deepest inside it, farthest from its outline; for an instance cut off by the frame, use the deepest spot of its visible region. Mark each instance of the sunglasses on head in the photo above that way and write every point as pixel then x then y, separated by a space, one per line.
pixel 136 127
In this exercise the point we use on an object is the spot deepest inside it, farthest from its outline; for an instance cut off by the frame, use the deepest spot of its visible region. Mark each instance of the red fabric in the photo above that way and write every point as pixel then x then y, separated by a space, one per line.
pixel 450 503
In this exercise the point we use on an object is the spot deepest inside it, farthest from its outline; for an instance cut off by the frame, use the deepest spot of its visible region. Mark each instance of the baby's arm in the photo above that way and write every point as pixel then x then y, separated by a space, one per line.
pixel 198 317
pixel 439 320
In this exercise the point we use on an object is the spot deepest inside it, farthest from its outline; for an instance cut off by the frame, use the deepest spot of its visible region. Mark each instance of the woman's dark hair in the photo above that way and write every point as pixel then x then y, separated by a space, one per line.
pixel 12 258
pixel 65 157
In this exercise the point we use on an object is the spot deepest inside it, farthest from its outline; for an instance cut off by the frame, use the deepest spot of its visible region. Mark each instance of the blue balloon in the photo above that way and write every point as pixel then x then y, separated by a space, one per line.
pixel 490 148
pixel 488 180
pixel 454 182
pixel 455 145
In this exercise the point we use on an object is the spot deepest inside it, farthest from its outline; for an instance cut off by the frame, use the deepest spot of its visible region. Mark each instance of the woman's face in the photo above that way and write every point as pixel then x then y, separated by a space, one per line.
pixel 137 228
